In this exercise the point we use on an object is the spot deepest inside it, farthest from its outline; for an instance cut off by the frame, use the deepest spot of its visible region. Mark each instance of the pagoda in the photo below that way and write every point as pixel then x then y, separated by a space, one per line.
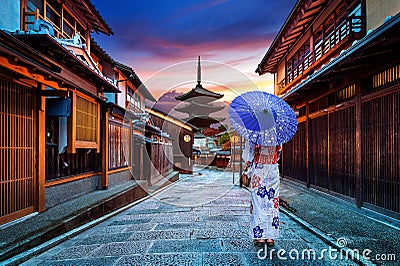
pixel 200 105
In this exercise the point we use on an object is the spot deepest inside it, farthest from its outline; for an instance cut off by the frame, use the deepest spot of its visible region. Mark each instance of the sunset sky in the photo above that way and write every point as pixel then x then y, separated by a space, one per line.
pixel 153 35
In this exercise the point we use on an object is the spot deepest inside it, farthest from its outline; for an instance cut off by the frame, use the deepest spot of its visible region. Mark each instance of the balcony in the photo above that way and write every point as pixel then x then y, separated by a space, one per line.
pixel 345 32
pixel 61 27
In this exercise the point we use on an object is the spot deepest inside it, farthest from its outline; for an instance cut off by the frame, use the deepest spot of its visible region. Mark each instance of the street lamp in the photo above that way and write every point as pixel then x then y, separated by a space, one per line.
pixel 187 138
pixel 234 139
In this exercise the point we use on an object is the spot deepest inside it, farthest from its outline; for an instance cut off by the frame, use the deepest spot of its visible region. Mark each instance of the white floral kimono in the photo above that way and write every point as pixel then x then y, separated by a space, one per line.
pixel 264 187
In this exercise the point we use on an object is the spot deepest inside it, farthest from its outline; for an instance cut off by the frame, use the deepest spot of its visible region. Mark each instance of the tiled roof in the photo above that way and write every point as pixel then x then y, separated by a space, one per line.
pixel 299 19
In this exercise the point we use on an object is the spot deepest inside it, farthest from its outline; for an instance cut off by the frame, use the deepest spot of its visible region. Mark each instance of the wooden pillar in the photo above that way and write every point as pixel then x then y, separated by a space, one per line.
pixel 128 148
pixel 41 149
pixel 88 44
pixel 240 158
pixel 307 145
pixel 22 17
pixel 71 148
pixel 328 148
pixel 141 154
pixel 357 162
pixel 104 147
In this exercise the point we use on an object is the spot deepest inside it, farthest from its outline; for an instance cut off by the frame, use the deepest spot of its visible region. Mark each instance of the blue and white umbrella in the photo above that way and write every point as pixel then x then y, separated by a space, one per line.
pixel 262 118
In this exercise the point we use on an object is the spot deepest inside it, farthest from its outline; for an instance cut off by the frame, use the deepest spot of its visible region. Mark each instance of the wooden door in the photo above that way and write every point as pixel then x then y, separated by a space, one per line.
pixel 18 181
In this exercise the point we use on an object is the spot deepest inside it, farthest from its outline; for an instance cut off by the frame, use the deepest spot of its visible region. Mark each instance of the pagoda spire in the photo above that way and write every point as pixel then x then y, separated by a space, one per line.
pixel 198 72
pixel 200 105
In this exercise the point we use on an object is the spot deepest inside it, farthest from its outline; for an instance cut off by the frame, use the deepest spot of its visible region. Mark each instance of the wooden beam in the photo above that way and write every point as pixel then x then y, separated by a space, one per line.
pixel 280 52
pixel 41 150
pixel 25 72
pixel 71 148
pixel 303 22
pixel 81 144
pixel 310 13
pixel 357 162
pixel 316 4
pixel 104 147
pixel 292 36
pixel 68 179
pixel 59 93
pixel 307 145
pixel 329 146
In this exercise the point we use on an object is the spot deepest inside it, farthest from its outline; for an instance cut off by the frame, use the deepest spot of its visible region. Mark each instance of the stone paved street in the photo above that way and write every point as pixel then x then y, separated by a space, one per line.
pixel 202 219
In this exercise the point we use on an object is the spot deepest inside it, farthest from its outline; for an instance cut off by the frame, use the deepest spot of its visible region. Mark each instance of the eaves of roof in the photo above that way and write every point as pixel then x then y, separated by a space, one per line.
pixel 96 46
pixel 309 15
pixel 24 54
pixel 48 46
pixel 162 114
pixel 199 91
pixel 370 37
pixel 134 78
pixel 93 16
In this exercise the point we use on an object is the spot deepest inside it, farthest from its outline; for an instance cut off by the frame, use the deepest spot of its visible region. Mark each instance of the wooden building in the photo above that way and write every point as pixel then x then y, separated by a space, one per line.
pixel 336 62
pixel 180 136
pixel 55 121
pixel 158 160
pixel 126 126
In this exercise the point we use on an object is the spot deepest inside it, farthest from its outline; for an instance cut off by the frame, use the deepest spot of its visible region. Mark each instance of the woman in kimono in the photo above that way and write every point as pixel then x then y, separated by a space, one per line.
pixel 262 167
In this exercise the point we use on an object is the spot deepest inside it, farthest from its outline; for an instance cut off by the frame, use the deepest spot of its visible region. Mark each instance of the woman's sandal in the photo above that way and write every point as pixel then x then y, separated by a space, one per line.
pixel 259 242
pixel 270 242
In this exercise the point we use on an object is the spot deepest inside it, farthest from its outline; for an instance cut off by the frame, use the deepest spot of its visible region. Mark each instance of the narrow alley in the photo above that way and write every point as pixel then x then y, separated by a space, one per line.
pixel 202 219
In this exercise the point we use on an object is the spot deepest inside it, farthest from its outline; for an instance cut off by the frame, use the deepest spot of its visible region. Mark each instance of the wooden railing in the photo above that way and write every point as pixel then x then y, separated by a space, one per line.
pixel 301 67
pixel 18 182
pixel 352 24
pixel 29 18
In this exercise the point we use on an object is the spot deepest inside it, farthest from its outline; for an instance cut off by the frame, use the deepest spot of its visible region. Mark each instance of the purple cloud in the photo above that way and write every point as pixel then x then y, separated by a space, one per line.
pixel 151 35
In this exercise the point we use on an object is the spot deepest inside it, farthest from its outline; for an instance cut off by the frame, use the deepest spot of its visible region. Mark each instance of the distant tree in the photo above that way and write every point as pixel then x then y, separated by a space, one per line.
pixel 224 138
pixel 222 128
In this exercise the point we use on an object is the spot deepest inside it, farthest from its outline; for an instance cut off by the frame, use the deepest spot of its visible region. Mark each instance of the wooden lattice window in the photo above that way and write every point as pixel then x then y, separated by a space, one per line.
pixel 319 104
pixel 86 120
pixel 384 78
pixel 18 143
pixel 117 154
pixel 60 16
pixel 84 124
pixel 68 24
pixel 345 94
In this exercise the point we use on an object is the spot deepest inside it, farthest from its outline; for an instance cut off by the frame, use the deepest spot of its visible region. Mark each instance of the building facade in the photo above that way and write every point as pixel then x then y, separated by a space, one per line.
pixel 126 126
pixel 61 137
pixel 335 62
pixel 177 138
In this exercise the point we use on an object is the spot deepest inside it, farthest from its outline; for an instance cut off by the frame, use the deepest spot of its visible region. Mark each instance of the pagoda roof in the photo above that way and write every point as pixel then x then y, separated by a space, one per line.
pixel 199 108
pixel 203 121
pixel 199 91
